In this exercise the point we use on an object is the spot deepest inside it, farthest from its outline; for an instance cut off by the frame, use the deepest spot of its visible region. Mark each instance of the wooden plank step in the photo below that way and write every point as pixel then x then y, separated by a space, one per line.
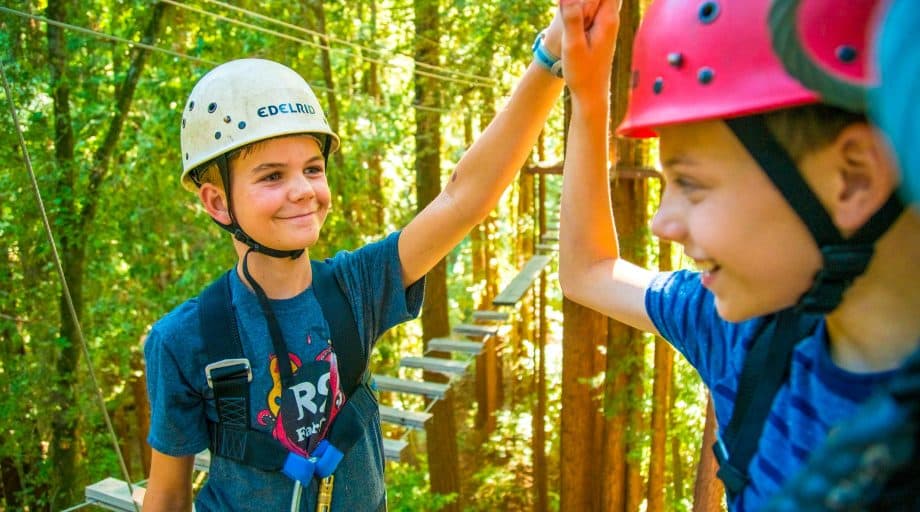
pixel 549 237
pixel 552 226
pixel 411 419
pixel 393 449
pixel 429 389
pixel 488 315
pixel 522 282
pixel 452 345
pixel 435 364
pixel 547 247
pixel 476 330
pixel 113 494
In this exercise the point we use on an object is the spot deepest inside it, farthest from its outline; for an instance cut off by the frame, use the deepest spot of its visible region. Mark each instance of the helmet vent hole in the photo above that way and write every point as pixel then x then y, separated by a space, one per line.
pixel 191 106
pixel 658 85
pixel 186 156
pixel 226 119
pixel 846 53
pixel 212 107
pixel 217 135
pixel 183 122
pixel 709 11
pixel 676 59
pixel 241 125
pixel 705 75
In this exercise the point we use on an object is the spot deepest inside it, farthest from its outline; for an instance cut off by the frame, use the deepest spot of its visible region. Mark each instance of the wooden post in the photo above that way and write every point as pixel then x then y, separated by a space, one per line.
pixel 441 444
pixel 661 405
pixel 708 491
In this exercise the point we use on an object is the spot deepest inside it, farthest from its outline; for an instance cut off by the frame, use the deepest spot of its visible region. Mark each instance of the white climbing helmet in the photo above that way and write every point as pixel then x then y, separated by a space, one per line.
pixel 245 101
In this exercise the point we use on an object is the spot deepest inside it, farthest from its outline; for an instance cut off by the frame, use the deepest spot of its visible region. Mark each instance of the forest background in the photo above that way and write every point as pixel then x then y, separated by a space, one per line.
pixel 99 87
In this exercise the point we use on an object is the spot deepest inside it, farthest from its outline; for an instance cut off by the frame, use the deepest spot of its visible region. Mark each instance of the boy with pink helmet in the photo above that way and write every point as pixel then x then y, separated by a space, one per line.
pixel 804 301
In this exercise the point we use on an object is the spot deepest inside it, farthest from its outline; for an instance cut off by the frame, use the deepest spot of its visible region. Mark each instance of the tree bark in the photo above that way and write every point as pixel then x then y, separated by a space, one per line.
pixel 442 461
pixel 708 491
pixel 661 406
pixel 64 452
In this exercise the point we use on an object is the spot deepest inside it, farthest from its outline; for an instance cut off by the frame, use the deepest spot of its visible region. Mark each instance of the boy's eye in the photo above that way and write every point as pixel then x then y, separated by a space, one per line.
pixel 313 170
pixel 274 176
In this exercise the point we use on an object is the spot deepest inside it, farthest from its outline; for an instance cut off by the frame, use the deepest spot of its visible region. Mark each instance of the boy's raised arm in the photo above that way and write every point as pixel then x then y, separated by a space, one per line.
pixel 590 269
pixel 484 172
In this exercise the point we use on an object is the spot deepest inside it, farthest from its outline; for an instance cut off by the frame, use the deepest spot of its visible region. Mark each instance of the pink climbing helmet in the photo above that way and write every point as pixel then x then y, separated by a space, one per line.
pixel 696 60
pixel 825 45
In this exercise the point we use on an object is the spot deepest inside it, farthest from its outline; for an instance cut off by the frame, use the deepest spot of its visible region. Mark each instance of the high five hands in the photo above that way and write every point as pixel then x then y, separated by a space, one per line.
pixel 588 42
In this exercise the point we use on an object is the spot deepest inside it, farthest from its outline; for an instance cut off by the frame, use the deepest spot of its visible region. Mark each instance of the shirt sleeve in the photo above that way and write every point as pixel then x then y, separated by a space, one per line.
pixel 177 417
pixel 684 313
pixel 372 276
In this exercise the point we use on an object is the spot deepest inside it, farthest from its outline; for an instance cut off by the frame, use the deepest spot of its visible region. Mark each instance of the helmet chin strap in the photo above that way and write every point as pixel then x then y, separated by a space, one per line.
pixel 844 259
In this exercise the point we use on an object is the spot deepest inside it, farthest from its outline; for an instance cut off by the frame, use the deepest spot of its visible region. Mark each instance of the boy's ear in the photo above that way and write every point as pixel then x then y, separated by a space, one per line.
pixel 212 197
pixel 864 177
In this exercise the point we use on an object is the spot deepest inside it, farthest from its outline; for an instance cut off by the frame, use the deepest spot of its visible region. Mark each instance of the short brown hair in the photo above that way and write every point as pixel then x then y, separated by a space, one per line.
pixel 801 130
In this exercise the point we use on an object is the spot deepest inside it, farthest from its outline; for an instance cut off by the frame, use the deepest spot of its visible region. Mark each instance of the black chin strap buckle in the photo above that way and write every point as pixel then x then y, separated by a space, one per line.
pixel 842 264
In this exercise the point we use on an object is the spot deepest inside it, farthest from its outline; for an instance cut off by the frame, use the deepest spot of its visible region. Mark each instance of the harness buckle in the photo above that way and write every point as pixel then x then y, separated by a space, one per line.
pixel 226 368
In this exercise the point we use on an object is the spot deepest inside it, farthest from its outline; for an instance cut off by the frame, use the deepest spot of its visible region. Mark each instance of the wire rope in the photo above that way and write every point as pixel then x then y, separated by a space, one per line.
pixel 65 288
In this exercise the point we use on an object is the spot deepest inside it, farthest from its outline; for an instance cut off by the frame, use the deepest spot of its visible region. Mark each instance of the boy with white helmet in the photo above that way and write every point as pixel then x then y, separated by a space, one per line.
pixel 268 367
pixel 806 301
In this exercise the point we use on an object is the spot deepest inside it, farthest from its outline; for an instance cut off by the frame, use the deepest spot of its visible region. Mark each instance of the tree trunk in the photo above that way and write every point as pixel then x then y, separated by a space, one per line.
pixel 442 442
pixel 64 452
pixel 708 491
pixel 584 330
pixel 661 406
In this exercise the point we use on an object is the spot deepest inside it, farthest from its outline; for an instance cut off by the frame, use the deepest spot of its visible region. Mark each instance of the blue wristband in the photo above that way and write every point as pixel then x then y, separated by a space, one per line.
pixel 544 58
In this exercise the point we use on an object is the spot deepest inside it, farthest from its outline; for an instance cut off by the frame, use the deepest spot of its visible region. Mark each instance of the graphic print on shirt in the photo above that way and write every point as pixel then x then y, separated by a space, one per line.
pixel 300 415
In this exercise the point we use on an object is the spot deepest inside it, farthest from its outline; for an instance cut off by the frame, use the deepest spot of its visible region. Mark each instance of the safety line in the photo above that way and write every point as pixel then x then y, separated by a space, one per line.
pixel 65 288
pixel 103 35
pixel 321 45
pixel 382 53
pixel 129 42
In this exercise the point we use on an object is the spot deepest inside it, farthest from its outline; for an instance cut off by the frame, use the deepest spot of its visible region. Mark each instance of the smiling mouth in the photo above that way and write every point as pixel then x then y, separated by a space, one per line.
pixel 294 217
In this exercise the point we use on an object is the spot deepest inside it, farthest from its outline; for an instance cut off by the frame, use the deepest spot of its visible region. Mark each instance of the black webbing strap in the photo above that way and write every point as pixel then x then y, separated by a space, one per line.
pixel 229 374
pixel 766 368
pixel 349 351
pixel 843 259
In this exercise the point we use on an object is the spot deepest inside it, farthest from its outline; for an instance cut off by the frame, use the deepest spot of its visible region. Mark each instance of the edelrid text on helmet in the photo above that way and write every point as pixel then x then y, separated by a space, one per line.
pixel 698 60
pixel 246 101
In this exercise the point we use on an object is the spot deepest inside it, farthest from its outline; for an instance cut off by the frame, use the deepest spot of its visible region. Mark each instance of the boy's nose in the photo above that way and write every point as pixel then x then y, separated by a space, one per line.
pixel 301 188
pixel 668 222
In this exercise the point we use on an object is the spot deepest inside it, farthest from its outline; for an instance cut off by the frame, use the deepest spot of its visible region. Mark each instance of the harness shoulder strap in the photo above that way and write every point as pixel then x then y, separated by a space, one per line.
pixel 229 374
pixel 349 351
pixel 766 368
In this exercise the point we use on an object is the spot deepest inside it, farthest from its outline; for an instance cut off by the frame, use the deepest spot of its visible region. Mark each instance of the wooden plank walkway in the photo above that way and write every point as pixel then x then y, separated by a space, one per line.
pixel 452 345
pixel 522 282
pixel 434 390
pixel 435 364
pixel 476 330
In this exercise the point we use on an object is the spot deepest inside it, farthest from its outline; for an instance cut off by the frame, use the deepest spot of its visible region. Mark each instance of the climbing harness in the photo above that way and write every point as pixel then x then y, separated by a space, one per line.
pixel 229 374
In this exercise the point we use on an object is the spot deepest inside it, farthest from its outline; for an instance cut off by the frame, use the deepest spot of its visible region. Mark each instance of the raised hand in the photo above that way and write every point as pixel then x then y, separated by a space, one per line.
pixel 588 42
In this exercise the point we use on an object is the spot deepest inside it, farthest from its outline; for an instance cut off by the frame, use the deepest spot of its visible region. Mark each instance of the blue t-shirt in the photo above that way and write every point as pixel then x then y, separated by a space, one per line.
pixel 182 403
pixel 817 395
